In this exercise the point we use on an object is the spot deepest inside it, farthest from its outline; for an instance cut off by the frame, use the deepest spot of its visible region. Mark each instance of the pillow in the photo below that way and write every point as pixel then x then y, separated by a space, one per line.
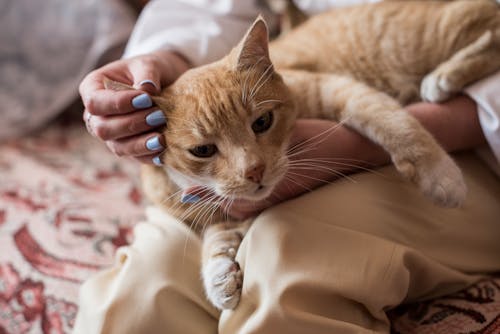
pixel 46 48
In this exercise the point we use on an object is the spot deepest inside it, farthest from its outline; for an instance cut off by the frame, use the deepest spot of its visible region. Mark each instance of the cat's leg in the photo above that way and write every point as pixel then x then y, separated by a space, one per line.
pixel 376 115
pixel 470 64
pixel 222 276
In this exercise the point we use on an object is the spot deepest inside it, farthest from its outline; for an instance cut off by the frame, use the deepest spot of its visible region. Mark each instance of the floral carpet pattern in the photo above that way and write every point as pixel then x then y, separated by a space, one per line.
pixel 66 205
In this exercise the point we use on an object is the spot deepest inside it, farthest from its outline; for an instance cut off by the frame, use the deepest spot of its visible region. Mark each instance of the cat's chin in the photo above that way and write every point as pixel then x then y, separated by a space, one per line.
pixel 260 193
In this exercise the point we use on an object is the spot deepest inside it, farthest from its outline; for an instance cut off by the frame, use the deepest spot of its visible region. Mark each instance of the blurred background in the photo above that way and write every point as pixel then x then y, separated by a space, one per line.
pixel 46 47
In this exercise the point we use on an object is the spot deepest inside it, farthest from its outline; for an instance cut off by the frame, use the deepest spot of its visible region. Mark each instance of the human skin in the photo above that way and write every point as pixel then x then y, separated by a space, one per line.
pixel 114 119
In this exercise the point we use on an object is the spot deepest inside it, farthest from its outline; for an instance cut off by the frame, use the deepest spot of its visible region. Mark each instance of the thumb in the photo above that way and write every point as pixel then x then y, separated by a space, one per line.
pixel 146 78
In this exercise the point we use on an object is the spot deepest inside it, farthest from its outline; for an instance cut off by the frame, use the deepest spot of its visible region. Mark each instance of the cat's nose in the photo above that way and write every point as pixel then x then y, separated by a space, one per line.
pixel 255 173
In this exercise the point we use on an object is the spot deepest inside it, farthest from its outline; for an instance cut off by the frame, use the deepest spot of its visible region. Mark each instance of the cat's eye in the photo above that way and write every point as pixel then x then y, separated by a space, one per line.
pixel 204 151
pixel 263 123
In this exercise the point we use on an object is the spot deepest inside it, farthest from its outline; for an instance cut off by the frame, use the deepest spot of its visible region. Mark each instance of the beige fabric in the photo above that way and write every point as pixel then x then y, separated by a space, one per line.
pixel 331 261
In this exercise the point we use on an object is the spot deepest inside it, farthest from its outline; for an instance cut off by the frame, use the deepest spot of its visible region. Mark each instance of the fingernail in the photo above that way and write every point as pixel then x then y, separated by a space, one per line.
pixel 188 198
pixel 142 101
pixel 157 161
pixel 144 82
pixel 156 118
pixel 153 144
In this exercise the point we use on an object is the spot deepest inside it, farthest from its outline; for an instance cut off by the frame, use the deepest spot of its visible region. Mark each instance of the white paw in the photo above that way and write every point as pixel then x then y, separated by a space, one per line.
pixel 436 87
pixel 444 183
pixel 223 279
pixel 441 181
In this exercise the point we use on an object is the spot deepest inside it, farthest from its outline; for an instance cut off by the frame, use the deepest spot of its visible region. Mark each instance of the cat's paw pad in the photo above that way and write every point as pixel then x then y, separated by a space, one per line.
pixel 223 280
pixel 437 87
pixel 443 183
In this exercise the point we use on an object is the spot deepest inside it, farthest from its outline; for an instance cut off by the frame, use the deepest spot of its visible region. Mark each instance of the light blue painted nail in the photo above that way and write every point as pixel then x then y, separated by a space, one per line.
pixel 189 198
pixel 153 144
pixel 157 161
pixel 156 118
pixel 143 82
pixel 142 101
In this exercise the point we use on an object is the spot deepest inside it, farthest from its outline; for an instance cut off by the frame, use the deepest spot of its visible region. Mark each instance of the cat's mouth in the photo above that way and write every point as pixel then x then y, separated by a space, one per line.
pixel 260 192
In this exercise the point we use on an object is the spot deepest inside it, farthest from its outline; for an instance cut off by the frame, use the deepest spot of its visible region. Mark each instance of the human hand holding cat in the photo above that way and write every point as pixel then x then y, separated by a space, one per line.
pixel 126 120
pixel 319 159
pixel 315 160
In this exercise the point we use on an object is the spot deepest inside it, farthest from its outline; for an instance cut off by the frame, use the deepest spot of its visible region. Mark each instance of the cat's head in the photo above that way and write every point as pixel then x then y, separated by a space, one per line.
pixel 229 122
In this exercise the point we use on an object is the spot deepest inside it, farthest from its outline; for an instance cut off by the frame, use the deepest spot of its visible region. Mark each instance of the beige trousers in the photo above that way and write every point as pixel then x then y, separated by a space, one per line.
pixel 332 261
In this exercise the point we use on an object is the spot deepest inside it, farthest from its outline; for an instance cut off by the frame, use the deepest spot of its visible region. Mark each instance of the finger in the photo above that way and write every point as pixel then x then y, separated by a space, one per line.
pixel 94 81
pixel 146 76
pixel 150 159
pixel 124 126
pixel 107 102
pixel 86 119
pixel 142 145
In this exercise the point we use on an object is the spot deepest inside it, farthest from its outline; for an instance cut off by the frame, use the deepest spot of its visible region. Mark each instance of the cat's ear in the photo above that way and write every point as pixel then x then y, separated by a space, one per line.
pixel 253 50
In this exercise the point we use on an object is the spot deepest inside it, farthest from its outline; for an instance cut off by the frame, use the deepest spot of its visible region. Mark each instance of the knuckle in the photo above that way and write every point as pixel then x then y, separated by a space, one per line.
pixel 81 87
pixel 139 147
pixel 116 106
pixel 115 148
pixel 101 130
pixel 148 64
pixel 89 103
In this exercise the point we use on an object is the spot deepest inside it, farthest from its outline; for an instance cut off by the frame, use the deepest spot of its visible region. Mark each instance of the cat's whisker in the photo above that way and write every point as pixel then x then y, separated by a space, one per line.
pixel 200 216
pixel 291 179
pixel 244 91
pixel 312 167
pixel 170 197
pixel 267 101
pixel 265 76
pixel 317 139
pixel 336 163
pixel 307 176
pixel 211 213
pixel 195 220
pixel 213 206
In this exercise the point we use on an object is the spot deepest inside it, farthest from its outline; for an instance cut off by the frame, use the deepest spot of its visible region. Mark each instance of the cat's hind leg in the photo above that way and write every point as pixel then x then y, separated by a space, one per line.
pixel 470 64
pixel 222 275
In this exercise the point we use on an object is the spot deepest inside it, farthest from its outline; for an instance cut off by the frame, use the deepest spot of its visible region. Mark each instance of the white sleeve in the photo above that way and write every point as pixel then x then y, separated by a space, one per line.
pixel 317 6
pixel 201 30
pixel 486 93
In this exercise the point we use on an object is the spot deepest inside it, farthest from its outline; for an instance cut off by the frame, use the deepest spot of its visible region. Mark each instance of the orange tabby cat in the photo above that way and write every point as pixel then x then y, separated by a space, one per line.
pixel 229 122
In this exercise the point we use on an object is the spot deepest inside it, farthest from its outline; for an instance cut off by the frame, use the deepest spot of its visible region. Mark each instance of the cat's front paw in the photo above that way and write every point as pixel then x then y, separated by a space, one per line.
pixel 437 87
pixel 441 180
pixel 223 280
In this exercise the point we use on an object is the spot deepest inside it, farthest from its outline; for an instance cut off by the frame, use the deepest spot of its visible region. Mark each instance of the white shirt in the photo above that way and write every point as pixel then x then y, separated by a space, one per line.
pixel 205 30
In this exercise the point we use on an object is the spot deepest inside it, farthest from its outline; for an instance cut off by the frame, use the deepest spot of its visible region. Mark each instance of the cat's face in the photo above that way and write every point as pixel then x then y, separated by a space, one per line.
pixel 229 124
pixel 227 132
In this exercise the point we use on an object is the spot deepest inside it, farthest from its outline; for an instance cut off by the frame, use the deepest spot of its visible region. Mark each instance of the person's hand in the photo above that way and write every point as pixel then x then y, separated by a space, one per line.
pixel 126 120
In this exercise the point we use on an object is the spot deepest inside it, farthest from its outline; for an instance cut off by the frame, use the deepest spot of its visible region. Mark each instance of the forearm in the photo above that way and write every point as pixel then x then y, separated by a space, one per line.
pixel 454 124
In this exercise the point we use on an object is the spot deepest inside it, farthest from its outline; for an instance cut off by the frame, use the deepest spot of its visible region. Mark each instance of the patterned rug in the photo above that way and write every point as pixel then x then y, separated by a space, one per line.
pixel 66 204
